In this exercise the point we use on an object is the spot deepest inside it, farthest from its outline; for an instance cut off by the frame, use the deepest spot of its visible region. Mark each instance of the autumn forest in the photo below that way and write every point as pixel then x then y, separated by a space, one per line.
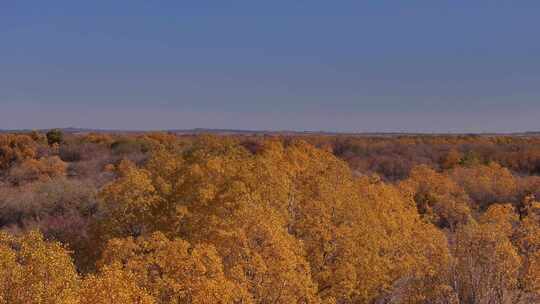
pixel 269 218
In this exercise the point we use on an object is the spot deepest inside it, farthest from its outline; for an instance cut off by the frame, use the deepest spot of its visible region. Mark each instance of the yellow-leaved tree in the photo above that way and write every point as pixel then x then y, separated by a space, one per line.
pixel 113 285
pixel 438 198
pixel 167 271
pixel 36 271
pixel 289 222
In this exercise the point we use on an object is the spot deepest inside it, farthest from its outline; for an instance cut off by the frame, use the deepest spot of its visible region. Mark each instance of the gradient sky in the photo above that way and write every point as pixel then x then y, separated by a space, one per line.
pixel 381 65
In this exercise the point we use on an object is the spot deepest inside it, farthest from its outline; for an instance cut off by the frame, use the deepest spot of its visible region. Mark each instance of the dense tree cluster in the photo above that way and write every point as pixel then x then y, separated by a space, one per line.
pixel 163 218
pixel 394 157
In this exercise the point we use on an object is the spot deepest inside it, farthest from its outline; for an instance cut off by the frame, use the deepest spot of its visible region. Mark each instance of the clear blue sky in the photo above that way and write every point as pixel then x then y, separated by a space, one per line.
pixel 339 65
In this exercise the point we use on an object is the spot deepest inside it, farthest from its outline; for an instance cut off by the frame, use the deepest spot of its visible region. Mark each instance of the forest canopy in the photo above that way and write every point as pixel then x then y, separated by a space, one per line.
pixel 169 218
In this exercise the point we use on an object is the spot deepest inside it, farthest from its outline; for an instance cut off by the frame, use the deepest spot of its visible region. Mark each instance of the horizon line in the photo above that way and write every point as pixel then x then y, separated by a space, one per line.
pixel 260 131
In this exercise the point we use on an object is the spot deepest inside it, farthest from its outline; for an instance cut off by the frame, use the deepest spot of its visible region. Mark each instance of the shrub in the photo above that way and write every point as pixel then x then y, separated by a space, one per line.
pixel 55 136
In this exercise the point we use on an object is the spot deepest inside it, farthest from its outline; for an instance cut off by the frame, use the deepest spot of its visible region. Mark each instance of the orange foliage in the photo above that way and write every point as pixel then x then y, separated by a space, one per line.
pixel 247 219
pixel 42 169
pixel 15 149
